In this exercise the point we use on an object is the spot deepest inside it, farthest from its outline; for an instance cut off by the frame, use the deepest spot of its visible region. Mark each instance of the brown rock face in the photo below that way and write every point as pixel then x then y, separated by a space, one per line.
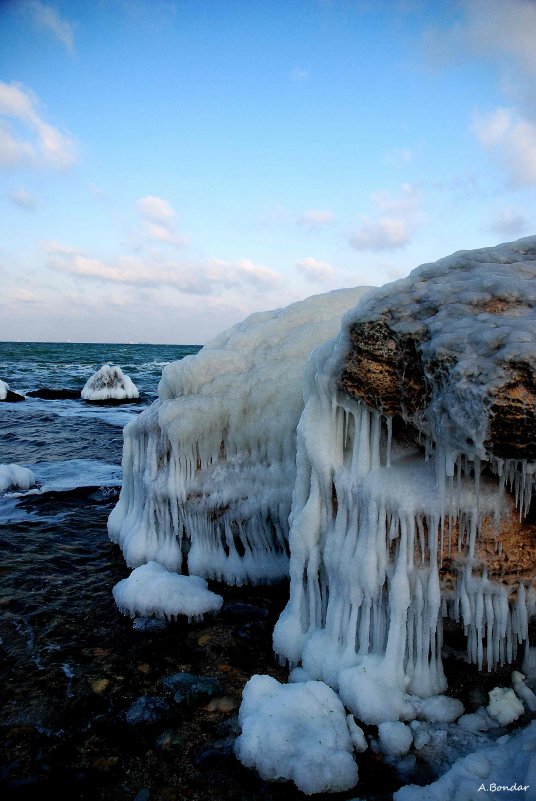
pixel 452 350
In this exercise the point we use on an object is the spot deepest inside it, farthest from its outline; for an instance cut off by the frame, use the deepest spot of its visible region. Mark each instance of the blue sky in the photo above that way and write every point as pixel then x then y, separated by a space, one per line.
pixel 169 166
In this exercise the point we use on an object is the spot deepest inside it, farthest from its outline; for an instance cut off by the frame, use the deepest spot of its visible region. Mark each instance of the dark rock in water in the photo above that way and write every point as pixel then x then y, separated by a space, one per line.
pixel 147 709
pixel 13 397
pixel 218 751
pixel 149 624
pixel 189 688
pixel 50 393
pixel 234 610
pixel 253 633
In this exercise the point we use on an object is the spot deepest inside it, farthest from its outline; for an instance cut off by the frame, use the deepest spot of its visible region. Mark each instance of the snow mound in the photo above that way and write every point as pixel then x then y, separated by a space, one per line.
pixel 109 383
pixel 152 590
pixel 297 732
pixel 13 476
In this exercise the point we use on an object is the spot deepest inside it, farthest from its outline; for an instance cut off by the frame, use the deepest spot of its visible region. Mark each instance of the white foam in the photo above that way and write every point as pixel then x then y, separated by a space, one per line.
pixel 109 383
pixel 15 477
pixel 153 591
pixel 297 732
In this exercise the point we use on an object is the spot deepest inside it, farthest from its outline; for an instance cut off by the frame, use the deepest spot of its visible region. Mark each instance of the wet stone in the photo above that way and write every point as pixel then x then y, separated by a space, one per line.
pixel 143 795
pixel 189 688
pixel 235 611
pixel 218 751
pixel 147 709
pixel 170 739
pixel 149 624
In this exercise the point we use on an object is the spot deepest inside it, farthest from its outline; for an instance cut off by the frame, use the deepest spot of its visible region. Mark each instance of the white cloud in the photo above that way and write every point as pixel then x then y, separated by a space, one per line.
pixel 191 278
pixel 397 218
pixel 158 218
pixel 24 199
pixel 315 270
pixel 512 139
pixel 31 140
pixel 313 219
pixel 508 223
pixel 48 18
pixel 156 209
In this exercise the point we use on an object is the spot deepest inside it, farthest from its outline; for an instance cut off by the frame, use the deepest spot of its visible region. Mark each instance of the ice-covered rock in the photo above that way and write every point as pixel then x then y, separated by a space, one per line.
pixel 395 738
pixel 505 770
pixel 384 534
pixel 522 691
pixel 504 705
pixel 152 590
pixel 209 468
pixel 297 732
pixel 15 477
pixel 109 384
pixel 4 389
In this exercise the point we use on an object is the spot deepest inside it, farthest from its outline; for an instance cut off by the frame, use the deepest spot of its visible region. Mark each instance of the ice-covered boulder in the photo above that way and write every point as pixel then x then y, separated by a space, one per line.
pixel 297 732
pixel 386 533
pixel 153 591
pixel 209 468
pixel 15 477
pixel 110 385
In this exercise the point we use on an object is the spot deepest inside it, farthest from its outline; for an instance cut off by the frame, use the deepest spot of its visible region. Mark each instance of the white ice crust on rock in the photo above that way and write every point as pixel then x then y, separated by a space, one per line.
pixel 395 738
pixel 504 705
pixel 504 770
pixel 153 591
pixel 212 463
pixel 297 732
pixel 15 477
pixel 371 520
pixel 109 383
pixel 4 389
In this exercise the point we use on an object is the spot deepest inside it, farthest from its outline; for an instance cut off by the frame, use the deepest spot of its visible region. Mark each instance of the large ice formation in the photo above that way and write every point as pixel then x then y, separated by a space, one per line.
pixel 375 518
pixel 297 732
pixel 209 468
pixel 109 384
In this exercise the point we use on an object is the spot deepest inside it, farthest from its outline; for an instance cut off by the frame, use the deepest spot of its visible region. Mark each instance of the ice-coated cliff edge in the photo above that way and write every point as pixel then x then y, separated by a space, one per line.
pixel 209 468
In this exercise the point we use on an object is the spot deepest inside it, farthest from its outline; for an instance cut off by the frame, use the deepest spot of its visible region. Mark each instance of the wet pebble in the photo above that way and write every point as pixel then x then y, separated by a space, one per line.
pixel 147 709
pixel 170 739
pixel 149 624
pixel 217 751
pixel 143 795
pixel 189 688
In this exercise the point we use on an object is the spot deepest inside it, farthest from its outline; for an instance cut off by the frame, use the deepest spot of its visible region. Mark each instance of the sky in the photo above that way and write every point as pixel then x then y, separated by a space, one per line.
pixel 168 167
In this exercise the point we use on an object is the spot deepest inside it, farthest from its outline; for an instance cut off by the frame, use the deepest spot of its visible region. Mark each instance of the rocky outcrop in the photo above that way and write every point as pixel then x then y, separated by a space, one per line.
pixel 449 347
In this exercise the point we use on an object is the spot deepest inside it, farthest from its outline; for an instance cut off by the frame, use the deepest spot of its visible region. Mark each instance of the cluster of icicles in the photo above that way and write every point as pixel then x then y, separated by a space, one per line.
pixel 372 521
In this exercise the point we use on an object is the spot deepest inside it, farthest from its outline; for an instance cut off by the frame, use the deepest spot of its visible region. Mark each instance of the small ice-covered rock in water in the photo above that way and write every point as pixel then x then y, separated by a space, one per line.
pixel 4 389
pixel 297 732
pixel 110 384
pixel 504 705
pixel 15 477
pixel 439 708
pixel 152 590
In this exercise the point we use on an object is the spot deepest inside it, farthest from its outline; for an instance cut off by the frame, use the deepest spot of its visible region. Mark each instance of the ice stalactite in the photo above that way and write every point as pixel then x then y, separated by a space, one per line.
pixel 369 529
pixel 209 468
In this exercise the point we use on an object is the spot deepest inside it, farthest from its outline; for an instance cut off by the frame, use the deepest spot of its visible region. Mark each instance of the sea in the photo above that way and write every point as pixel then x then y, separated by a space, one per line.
pixel 84 713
